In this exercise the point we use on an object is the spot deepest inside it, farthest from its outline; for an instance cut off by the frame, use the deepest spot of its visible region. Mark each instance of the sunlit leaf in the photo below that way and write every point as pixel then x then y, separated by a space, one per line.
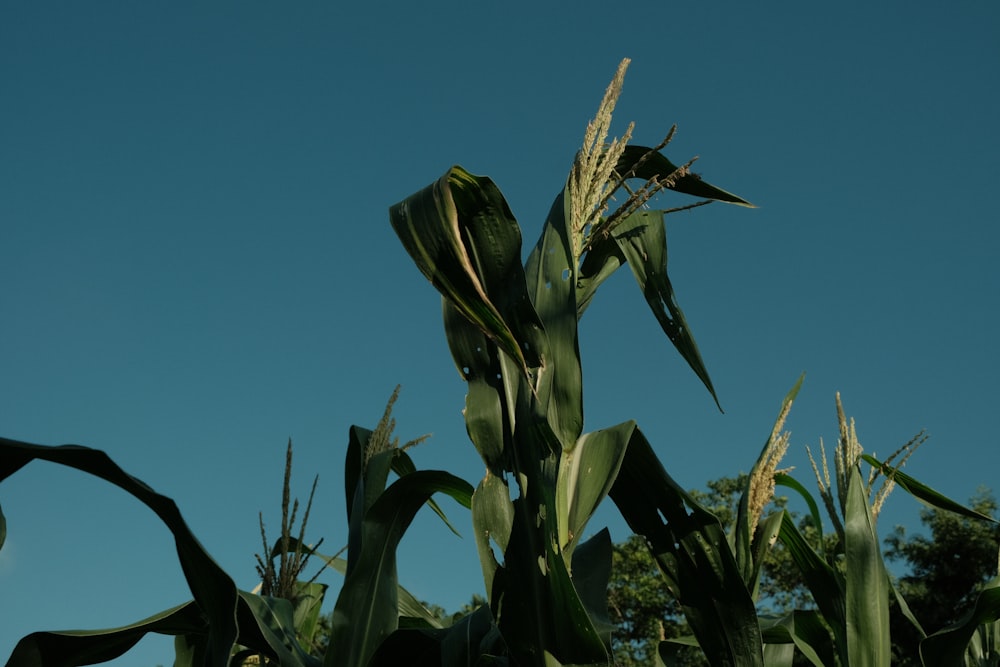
pixel 586 474
pixel 551 278
pixel 867 583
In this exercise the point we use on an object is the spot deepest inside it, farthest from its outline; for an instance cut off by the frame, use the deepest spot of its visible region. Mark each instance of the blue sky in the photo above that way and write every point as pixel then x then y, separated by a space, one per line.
pixel 196 261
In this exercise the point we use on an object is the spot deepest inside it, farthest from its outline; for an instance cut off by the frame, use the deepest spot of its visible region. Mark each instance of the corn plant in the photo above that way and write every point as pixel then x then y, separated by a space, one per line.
pixel 850 584
pixel 223 625
pixel 513 334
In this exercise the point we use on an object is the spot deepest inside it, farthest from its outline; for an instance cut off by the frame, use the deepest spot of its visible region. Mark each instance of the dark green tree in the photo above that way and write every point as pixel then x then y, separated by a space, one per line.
pixel 944 571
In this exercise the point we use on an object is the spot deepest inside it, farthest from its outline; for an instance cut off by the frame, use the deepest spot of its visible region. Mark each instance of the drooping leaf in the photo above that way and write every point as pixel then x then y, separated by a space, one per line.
pixel 786 480
pixel 693 553
pixel 213 590
pixel 462 236
pixel 84 647
pixel 402 464
pixel 643 242
pixel 924 493
pixel 648 165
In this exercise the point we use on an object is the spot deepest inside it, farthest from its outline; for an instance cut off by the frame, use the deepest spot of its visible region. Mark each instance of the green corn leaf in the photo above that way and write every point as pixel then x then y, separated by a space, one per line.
pixel 786 480
pixel 766 534
pixel 540 610
pixel 551 277
pixel 779 655
pixel 462 236
pixel 491 398
pixel 867 589
pixel 473 641
pixel 189 651
pixel 807 631
pixel 492 521
pixel 971 635
pixel 604 258
pixel 591 574
pixel 924 493
pixel 643 242
pixel 599 263
pixel 213 590
pixel 366 611
pixel 267 625
pixel 586 474
pixel 409 605
pixel 83 647
pixel 307 609
pixel 692 550
pixel 402 464
pixel 825 584
pixel 354 465
pixel 537 606
pixel 648 165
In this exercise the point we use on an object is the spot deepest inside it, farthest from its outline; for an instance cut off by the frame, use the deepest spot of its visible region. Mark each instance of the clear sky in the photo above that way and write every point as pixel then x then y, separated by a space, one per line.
pixel 196 261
